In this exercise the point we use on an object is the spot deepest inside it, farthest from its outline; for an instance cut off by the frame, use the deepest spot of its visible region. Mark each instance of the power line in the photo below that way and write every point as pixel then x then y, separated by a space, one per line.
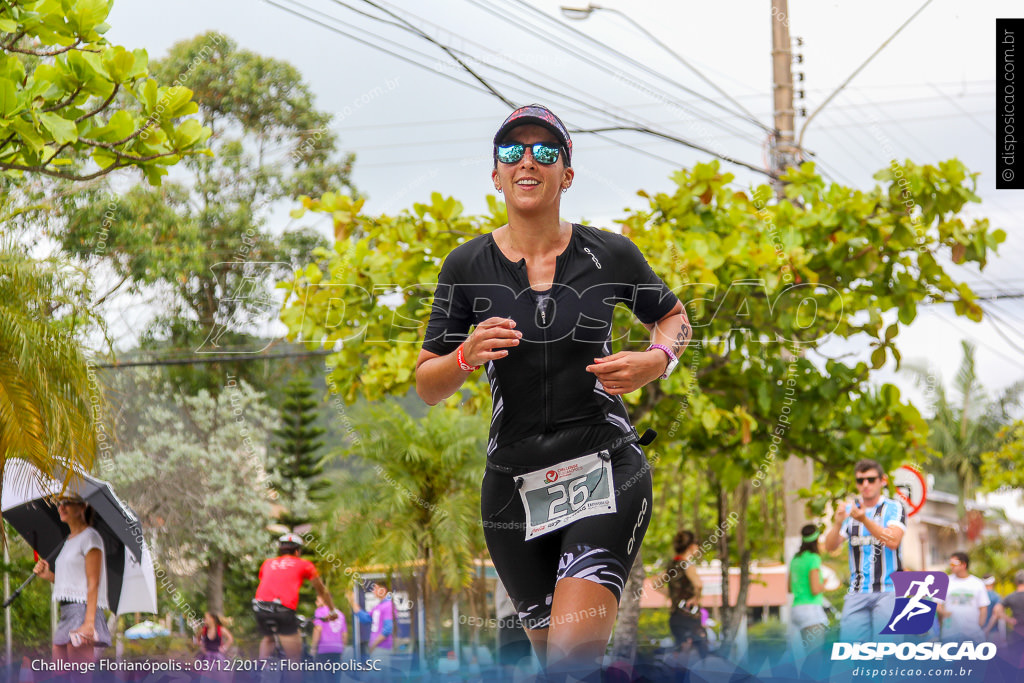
pixel 995 320
pixel 800 140
pixel 961 109
pixel 232 358
pixel 609 69
pixel 346 34
pixel 906 119
pixel 750 117
pixel 638 64
pixel 370 44
pixel 563 85
pixel 642 105
pixel 447 51
pixel 971 337
pixel 687 143
pixel 820 163
pixel 989 309
pixel 586 58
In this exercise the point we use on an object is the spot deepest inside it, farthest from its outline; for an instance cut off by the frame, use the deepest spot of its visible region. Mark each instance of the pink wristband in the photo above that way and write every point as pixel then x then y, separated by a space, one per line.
pixel 668 352
pixel 462 361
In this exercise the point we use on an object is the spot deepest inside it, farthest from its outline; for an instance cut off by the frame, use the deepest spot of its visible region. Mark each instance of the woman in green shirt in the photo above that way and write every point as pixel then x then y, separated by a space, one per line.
pixel 806 586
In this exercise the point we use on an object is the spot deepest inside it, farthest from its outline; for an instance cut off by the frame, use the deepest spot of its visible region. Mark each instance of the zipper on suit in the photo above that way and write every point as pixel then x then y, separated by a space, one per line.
pixel 542 305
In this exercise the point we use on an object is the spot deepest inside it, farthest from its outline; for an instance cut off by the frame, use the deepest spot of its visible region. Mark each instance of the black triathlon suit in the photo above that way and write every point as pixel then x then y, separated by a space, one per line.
pixel 547 409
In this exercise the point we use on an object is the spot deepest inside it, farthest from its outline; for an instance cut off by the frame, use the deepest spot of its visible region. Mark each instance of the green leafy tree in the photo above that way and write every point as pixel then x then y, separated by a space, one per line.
pixel 966 424
pixel 194 470
pixel 296 465
pixel 1003 466
pixel 205 238
pixel 50 400
pixel 59 79
pixel 415 505
pixel 766 286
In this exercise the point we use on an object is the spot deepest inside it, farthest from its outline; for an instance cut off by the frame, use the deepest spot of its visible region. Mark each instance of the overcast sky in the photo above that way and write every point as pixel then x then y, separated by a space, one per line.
pixel 929 96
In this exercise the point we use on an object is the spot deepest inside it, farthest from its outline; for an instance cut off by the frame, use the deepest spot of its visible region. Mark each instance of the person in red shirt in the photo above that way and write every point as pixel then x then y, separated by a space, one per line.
pixel 277 597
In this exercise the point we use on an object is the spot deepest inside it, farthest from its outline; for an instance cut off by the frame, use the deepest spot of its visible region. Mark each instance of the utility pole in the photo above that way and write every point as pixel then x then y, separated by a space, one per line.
pixel 783 145
pixel 798 472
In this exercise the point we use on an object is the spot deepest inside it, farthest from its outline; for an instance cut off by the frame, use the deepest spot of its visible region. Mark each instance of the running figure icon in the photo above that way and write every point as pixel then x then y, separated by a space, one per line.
pixel 915 606
pixel 914 612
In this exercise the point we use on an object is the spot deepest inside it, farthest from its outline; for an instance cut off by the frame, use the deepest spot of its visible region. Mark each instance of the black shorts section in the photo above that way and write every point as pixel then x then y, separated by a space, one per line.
pixel 600 548
pixel 273 618
pixel 593 564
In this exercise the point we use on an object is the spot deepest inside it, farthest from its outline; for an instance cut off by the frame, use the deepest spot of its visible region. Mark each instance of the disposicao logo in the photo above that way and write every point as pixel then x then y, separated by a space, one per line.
pixel 914 614
pixel 551 476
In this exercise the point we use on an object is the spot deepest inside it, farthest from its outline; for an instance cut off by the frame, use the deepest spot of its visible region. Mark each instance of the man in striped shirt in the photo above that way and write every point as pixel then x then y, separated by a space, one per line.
pixel 874 525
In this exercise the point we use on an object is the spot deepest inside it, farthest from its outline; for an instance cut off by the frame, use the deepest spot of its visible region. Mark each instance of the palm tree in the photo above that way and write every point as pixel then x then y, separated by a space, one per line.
pixel 418 501
pixel 50 401
pixel 966 424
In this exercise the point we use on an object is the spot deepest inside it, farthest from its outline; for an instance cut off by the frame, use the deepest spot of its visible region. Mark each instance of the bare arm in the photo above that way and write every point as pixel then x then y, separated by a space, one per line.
pixel 627 371
pixel 673 330
pixel 226 639
pixel 93 568
pixel 438 377
pixel 325 595
pixel 816 585
pixel 42 570
pixel 998 614
pixel 834 538
pixel 890 536
pixel 315 639
pixel 698 585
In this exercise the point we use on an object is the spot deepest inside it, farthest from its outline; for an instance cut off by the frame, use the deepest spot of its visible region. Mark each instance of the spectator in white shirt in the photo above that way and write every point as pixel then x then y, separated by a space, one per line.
pixel 966 606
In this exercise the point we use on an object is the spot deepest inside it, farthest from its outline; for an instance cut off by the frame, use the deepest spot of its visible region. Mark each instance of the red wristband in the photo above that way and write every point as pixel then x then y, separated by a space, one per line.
pixel 462 361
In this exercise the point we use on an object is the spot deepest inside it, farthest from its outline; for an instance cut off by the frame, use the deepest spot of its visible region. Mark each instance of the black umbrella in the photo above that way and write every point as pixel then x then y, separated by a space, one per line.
pixel 29 505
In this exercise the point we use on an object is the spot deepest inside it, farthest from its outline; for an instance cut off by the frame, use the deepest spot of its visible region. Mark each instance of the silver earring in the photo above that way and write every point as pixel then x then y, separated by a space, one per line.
pixel 564 190
pixel 498 189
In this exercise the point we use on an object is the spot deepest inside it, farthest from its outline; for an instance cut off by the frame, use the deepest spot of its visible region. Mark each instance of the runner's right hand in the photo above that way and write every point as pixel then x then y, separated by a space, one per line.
pixel 41 568
pixel 490 340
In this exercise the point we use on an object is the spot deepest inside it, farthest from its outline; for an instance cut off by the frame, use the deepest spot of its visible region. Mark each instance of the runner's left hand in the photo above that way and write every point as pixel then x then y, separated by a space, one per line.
pixel 627 371
pixel 88 632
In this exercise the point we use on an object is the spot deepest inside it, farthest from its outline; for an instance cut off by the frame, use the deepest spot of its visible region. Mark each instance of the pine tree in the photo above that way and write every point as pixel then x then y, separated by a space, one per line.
pixel 297 467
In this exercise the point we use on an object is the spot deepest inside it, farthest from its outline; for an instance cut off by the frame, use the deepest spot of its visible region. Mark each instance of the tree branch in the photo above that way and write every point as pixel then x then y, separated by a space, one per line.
pixel 149 123
pixel 106 103
pixel 66 102
pixel 14 40
pixel 57 174
pixel 123 155
pixel 56 154
pixel 116 287
pixel 47 53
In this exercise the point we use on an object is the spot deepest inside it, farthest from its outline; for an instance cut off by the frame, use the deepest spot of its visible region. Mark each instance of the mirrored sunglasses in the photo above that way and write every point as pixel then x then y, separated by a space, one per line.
pixel 542 152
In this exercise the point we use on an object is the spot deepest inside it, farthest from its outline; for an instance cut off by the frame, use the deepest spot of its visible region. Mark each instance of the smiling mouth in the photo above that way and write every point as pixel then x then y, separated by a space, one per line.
pixel 527 182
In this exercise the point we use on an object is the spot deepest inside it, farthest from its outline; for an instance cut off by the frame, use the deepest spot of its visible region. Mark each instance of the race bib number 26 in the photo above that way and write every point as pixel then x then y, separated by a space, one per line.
pixel 572 490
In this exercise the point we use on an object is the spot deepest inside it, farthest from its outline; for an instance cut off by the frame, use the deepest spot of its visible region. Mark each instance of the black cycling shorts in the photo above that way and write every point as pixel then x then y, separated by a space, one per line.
pixel 601 548
pixel 273 617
